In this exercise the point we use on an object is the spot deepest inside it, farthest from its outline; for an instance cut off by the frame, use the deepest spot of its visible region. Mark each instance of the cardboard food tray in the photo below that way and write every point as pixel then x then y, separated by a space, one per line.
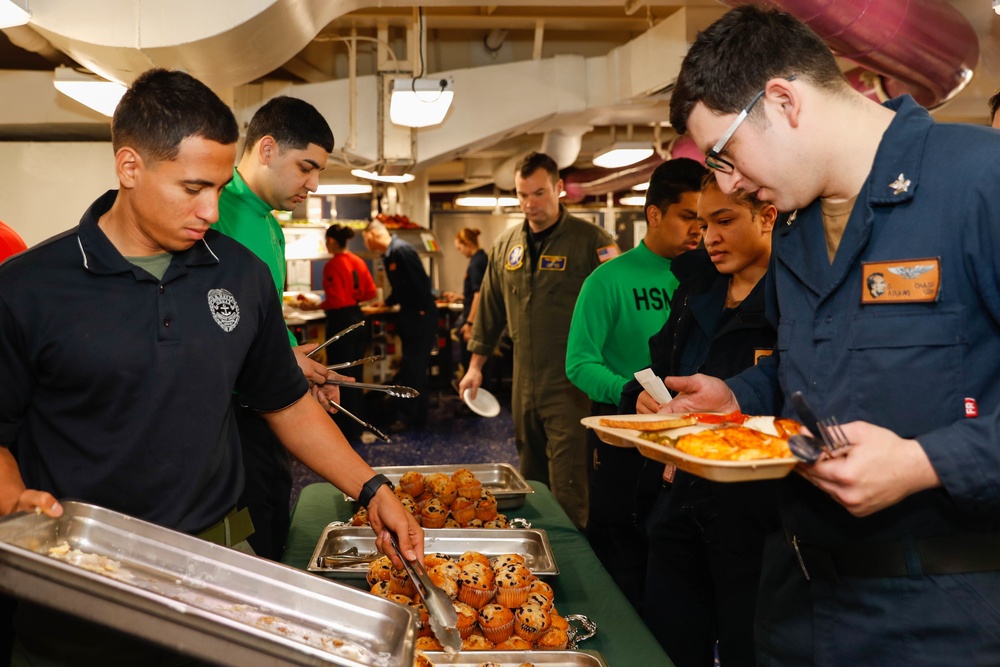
pixel 718 471
pixel 515 658
pixel 188 594
pixel 501 479
pixel 532 543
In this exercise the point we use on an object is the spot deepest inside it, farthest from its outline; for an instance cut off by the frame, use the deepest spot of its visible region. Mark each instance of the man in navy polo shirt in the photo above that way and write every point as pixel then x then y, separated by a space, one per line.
pixel 119 393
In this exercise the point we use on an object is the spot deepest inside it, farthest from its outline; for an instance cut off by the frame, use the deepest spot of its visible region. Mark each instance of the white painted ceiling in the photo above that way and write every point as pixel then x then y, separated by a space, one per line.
pixel 524 72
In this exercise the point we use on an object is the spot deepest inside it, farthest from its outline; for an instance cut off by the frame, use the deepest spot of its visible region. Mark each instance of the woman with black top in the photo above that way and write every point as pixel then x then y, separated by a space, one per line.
pixel 346 283
pixel 706 538
pixel 467 243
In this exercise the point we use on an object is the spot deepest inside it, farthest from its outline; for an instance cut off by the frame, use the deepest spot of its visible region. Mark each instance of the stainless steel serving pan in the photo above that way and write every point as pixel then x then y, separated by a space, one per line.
pixel 501 479
pixel 197 597
pixel 515 658
pixel 532 543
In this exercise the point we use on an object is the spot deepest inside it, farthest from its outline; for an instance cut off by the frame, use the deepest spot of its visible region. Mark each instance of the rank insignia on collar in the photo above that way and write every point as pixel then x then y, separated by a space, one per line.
pixel 900 185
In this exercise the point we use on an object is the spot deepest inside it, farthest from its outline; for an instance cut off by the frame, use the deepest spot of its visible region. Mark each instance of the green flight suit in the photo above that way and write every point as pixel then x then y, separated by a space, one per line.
pixel 537 307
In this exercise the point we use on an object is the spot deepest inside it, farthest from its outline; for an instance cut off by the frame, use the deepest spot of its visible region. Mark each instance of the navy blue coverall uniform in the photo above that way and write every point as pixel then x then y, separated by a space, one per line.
pixel 917 583
pixel 416 325
pixel 706 538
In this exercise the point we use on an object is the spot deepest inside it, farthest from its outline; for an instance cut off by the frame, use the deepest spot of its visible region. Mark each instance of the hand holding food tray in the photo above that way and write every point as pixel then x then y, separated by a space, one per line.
pixel 721 448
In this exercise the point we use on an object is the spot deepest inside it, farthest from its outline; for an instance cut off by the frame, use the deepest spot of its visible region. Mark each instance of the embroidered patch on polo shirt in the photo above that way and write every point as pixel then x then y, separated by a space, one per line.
pixel 225 311
pixel 551 263
pixel 901 281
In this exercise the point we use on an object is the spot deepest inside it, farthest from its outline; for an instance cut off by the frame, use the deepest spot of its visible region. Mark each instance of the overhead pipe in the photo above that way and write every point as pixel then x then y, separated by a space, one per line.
pixel 562 145
pixel 922 47
pixel 925 48
pixel 582 183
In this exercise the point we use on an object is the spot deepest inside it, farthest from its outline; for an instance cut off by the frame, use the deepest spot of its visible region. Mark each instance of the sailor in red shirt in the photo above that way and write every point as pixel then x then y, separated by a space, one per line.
pixel 10 242
pixel 346 282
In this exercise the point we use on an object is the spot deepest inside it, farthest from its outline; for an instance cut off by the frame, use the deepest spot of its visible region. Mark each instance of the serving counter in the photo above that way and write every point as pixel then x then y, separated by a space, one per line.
pixel 583 586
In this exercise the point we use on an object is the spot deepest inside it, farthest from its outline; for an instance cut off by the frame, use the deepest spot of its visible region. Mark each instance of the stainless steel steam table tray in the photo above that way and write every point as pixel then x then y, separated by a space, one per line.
pixel 516 658
pixel 191 595
pixel 532 543
pixel 501 479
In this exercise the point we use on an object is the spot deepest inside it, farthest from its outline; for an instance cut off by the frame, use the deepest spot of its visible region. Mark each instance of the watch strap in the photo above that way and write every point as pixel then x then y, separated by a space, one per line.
pixel 371 487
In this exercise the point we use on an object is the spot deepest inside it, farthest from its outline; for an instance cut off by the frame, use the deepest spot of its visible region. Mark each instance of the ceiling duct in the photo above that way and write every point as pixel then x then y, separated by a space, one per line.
pixel 922 47
pixel 563 145
pixel 583 183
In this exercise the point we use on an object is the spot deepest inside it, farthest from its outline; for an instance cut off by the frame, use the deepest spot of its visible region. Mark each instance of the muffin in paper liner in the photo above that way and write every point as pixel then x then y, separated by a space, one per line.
pixel 496 622
pixel 468 619
pixel 531 622
pixel 475 597
pixel 554 639
pixel 512 588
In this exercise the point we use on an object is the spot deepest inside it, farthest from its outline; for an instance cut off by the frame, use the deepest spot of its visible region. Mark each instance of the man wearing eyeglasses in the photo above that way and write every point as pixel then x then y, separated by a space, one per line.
pixel 891 550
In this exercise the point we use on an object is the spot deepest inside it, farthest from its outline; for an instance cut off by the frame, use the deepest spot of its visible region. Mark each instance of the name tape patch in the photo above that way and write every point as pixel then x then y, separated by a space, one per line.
pixel 551 263
pixel 901 281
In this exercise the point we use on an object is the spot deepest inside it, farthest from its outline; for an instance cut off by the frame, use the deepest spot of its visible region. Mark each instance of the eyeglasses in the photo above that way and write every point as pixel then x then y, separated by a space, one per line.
pixel 713 160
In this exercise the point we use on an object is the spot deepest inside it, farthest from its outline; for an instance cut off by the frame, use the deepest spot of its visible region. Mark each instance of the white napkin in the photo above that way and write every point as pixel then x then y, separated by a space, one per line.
pixel 653 385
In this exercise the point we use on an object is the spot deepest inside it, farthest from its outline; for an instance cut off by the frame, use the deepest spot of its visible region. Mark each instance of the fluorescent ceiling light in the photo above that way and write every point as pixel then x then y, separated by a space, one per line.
pixel 420 102
pixel 374 176
pixel 99 94
pixel 641 187
pixel 622 154
pixel 484 202
pixel 343 189
pixel 12 13
pixel 632 200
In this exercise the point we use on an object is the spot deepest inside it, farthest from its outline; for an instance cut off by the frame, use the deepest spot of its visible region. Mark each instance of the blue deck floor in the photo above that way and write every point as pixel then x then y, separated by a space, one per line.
pixel 452 435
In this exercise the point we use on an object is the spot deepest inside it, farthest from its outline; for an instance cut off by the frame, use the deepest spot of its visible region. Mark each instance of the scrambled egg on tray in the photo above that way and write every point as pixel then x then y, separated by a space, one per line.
pixel 732 442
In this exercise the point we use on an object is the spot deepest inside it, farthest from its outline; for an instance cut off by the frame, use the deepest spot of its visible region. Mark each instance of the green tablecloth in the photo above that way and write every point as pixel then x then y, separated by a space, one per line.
pixel 582 587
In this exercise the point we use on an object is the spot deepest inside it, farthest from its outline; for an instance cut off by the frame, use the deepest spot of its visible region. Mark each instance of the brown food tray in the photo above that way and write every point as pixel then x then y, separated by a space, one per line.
pixel 718 471
pixel 188 594
pixel 532 543
pixel 500 479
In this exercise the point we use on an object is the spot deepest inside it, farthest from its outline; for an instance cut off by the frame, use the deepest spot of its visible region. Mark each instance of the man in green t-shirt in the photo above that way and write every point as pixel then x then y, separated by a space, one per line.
pixel 621 304
pixel 287 146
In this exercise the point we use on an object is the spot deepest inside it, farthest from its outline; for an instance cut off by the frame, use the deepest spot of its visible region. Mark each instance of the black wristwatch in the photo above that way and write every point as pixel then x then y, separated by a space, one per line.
pixel 371 487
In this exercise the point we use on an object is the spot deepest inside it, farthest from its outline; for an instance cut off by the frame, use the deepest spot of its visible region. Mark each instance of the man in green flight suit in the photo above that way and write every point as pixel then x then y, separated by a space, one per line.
pixel 535 273
pixel 287 146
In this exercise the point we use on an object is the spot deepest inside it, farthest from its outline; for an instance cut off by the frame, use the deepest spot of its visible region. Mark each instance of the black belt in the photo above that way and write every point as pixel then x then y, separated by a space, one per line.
pixel 234 528
pixel 908 557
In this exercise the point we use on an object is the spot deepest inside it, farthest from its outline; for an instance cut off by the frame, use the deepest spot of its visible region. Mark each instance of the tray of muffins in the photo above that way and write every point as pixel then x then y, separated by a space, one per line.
pixel 501 480
pixel 501 604
pixel 346 552
pixel 511 659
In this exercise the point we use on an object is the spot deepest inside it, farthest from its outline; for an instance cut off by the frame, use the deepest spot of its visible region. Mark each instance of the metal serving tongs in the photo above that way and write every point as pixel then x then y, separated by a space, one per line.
pixel 444 617
pixel 378 434
pixel 397 390
pixel 356 362
pixel 346 558
pixel 335 337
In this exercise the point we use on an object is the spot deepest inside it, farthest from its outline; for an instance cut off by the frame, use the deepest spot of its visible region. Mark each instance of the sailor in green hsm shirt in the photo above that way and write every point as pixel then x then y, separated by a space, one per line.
pixel 621 305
